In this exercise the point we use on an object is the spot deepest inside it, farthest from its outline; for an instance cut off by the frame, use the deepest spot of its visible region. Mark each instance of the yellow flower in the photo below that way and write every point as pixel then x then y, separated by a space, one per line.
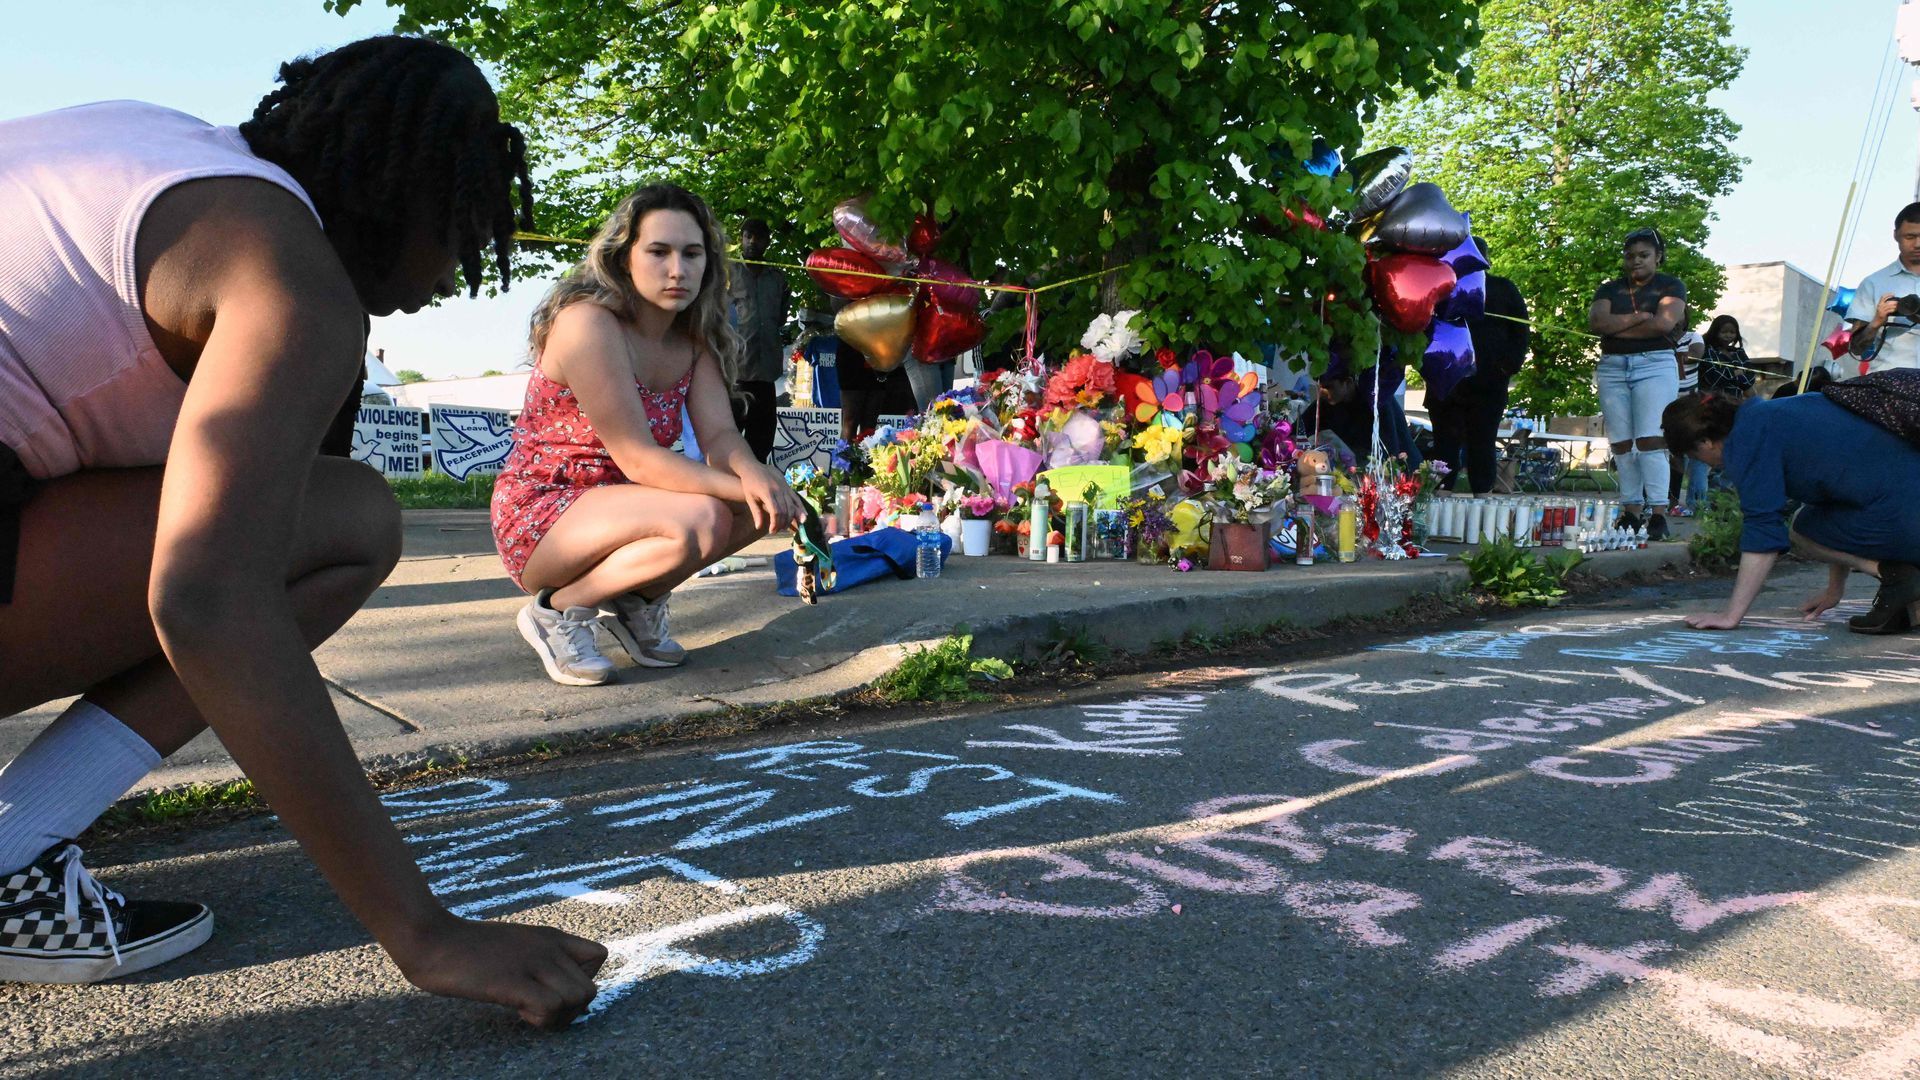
pixel 1160 443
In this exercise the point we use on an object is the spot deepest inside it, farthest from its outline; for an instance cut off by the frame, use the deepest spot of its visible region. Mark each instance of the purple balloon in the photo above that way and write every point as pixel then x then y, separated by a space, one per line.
pixel 1467 301
pixel 1449 359
pixel 1466 258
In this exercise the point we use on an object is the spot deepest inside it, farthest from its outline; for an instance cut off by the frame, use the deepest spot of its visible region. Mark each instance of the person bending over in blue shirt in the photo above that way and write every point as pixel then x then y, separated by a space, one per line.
pixel 1855 479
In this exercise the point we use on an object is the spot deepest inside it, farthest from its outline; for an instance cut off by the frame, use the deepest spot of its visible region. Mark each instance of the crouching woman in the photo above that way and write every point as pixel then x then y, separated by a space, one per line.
pixel 593 512
pixel 1854 479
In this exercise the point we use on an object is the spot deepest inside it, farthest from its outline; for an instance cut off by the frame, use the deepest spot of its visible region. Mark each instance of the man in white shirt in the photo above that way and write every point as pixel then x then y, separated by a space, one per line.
pixel 1881 336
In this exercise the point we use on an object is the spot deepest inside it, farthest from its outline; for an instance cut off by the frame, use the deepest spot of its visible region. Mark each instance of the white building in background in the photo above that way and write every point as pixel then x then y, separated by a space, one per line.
pixel 1778 306
pixel 507 392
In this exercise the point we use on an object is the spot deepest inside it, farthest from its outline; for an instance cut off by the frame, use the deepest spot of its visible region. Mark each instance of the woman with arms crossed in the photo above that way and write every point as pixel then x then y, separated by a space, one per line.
pixel 592 509
pixel 181 314
pixel 1639 316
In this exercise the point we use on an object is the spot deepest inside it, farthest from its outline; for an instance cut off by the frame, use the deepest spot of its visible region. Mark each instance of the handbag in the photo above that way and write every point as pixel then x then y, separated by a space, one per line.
pixel 1888 399
pixel 860 559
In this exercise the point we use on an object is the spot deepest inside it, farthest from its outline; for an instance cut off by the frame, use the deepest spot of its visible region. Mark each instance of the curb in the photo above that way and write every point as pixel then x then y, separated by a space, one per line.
pixel 1124 625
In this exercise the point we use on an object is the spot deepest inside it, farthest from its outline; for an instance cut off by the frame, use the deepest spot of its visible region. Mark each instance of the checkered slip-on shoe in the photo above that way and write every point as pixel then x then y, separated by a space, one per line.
pixel 59 925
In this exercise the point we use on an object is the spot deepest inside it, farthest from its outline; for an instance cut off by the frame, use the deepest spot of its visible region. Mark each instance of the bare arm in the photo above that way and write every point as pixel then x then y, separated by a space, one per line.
pixel 1835 591
pixel 283 351
pixel 772 502
pixel 1667 316
pixel 586 352
pixel 1754 568
pixel 1602 320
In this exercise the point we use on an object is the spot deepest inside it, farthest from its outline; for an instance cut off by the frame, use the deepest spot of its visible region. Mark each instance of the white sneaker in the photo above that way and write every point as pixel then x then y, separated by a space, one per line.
pixel 564 641
pixel 641 628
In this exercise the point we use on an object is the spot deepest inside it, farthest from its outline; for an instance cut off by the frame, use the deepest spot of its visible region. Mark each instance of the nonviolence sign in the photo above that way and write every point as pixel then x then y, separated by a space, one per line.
pixel 469 440
pixel 391 438
pixel 809 435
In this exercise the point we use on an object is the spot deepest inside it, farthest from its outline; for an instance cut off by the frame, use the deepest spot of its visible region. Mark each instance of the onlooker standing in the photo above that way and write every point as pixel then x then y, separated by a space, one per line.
pixel 1688 352
pixel 1881 337
pixel 1467 422
pixel 760 299
pixel 1639 316
pixel 821 351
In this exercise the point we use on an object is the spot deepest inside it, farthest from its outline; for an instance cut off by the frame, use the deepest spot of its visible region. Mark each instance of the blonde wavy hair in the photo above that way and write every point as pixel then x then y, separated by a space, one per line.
pixel 602 278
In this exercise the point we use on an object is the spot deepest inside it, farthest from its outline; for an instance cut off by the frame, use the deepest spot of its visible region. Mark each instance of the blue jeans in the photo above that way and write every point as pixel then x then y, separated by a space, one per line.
pixel 1635 388
pixel 929 381
pixel 1696 484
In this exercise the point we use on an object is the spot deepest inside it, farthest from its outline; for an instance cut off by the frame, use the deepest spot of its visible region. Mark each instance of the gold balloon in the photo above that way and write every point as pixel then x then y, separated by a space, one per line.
pixel 881 327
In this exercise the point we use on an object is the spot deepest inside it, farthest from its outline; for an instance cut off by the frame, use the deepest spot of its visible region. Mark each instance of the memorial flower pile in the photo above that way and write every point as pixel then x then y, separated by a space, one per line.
pixel 1196 433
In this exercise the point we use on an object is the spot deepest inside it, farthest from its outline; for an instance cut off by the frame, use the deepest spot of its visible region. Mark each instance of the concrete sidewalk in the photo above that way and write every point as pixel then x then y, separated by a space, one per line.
pixel 433 668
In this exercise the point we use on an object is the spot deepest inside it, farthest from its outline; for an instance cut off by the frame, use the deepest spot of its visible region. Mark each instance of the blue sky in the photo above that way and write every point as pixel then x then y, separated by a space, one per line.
pixel 1802 102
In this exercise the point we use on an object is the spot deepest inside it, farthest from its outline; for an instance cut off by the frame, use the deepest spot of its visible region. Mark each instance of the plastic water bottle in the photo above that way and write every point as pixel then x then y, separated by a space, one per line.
pixel 927 560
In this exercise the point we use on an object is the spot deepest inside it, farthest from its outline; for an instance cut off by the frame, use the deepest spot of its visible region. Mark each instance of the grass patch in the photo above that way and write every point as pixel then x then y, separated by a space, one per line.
pixel 947 671
pixel 172 804
pixel 438 491
pixel 1715 543
pixel 1513 576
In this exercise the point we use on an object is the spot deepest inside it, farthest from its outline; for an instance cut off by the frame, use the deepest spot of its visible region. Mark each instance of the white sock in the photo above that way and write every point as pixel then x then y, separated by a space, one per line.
pixel 65 778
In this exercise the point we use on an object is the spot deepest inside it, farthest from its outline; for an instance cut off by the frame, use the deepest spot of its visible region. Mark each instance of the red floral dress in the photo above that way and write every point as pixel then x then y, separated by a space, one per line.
pixel 557 455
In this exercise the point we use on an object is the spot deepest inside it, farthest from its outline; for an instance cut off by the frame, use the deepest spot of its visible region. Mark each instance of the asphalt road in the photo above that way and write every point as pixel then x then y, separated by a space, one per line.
pixel 1575 843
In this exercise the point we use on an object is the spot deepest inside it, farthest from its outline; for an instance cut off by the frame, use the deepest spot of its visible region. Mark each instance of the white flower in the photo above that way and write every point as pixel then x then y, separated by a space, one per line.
pixel 1097 331
pixel 1110 337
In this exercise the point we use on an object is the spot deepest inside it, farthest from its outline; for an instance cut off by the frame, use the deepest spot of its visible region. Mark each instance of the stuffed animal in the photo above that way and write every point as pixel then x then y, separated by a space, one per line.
pixel 1313 473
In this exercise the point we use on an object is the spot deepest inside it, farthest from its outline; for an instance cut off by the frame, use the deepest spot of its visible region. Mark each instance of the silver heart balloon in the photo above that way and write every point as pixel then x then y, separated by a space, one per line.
pixel 1378 177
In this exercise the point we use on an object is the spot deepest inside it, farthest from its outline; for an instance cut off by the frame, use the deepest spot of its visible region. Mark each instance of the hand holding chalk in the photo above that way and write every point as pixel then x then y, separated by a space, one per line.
pixel 542 973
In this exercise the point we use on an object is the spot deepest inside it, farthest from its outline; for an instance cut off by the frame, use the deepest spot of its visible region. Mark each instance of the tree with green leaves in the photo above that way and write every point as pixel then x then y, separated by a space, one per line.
pixel 1584 119
pixel 1052 138
pixel 408 375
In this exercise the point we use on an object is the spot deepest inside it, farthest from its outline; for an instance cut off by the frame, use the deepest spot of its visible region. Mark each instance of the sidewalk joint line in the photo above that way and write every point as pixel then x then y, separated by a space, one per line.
pixel 374 705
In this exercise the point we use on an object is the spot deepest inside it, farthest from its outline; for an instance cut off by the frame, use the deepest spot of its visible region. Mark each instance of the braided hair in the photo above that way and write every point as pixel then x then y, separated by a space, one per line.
pixel 393 133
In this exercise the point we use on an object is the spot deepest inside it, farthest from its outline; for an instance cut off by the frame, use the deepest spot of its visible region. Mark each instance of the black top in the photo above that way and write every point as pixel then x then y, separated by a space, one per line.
pixel 1500 344
pixel 1625 299
pixel 1727 371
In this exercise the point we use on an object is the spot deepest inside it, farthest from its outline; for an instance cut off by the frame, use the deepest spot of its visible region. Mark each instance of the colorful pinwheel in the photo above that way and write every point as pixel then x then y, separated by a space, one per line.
pixel 1232 406
pixel 1203 368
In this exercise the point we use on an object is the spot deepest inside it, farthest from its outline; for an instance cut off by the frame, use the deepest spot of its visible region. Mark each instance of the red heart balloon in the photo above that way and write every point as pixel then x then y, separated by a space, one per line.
pixel 1407 288
pixel 1304 216
pixel 941 333
pixel 823 266
pixel 924 236
pixel 952 296
pixel 1839 341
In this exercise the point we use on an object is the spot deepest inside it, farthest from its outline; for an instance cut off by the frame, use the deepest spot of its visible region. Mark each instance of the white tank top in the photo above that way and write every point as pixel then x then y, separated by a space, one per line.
pixel 82 385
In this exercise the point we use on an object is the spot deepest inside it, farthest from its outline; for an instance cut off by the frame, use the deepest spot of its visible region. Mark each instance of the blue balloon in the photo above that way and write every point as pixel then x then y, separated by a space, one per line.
pixel 1466 258
pixel 1449 359
pixel 1467 301
pixel 1325 160
pixel 1842 300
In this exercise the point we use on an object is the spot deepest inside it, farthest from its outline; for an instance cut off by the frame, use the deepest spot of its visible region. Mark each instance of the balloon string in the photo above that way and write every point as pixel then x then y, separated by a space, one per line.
pixel 983 286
